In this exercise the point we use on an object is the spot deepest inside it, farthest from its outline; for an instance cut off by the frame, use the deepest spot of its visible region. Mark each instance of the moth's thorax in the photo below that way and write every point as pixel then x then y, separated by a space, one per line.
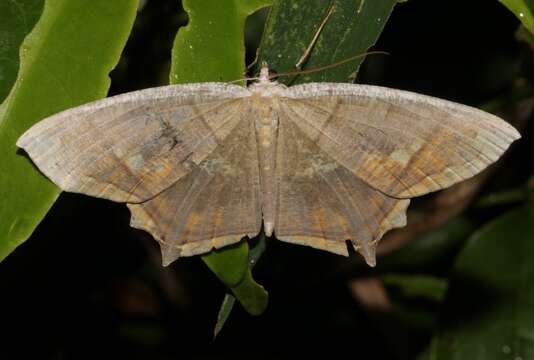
pixel 266 126
pixel 267 88
pixel 264 86
pixel 266 114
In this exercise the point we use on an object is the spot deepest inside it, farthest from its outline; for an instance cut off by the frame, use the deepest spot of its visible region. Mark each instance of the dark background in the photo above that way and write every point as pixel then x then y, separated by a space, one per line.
pixel 86 285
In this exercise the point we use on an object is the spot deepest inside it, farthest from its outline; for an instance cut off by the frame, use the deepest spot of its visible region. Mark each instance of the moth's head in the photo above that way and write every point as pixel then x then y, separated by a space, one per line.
pixel 266 75
pixel 264 72
pixel 265 84
pixel 264 78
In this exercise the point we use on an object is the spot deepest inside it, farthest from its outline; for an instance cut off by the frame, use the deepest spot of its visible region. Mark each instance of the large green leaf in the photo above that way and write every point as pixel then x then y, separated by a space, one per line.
pixel 489 309
pixel 351 30
pixel 65 62
pixel 17 18
pixel 211 48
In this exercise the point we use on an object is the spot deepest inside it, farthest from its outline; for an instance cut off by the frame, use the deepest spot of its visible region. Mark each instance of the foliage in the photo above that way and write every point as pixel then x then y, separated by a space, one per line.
pixel 523 10
pixel 488 312
pixel 16 21
pixel 57 71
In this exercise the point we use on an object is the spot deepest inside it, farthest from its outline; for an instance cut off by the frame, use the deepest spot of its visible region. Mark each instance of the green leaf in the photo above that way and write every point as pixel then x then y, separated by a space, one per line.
pixel 211 48
pixel 489 309
pixel 523 9
pixel 417 285
pixel 224 313
pixel 352 29
pixel 229 300
pixel 505 197
pixel 430 248
pixel 65 62
pixel 229 263
pixel 17 18
pixel 251 295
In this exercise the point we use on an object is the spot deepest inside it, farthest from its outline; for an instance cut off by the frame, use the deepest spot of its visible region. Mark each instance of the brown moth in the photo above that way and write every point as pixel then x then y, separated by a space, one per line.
pixel 201 165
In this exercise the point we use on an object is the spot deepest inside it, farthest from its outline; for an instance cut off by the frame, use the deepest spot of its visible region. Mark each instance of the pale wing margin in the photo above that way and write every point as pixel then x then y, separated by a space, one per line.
pixel 132 146
pixel 401 143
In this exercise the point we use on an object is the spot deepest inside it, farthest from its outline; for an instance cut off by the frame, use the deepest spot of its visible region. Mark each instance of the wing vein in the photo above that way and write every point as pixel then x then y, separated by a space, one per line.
pixel 110 150
pixel 395 176
pixel 459 135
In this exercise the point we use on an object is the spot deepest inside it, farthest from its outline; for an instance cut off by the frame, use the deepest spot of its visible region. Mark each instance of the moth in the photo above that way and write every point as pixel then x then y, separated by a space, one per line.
pixel 200 166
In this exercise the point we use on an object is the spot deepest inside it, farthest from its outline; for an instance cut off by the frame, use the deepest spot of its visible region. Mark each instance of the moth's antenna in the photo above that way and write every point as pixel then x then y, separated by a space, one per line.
pixel 306 53
pixel 312 70
pixel 321 68
pixel 243 79
pixel 305 56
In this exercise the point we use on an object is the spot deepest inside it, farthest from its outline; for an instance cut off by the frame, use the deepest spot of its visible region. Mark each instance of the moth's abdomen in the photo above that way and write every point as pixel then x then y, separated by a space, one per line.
pixel 266 126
